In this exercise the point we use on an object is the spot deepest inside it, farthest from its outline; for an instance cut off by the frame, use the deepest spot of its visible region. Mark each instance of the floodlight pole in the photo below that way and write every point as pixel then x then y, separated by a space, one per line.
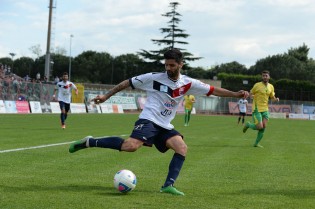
pixel 71 36
pixel 47 58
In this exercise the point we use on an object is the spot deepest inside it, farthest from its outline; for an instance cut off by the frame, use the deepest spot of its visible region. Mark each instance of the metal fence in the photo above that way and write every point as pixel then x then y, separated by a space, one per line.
pixel 32 91
pixel 29 91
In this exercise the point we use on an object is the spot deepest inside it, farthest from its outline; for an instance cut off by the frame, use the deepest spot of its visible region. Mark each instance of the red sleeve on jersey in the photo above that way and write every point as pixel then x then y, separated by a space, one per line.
pixel 210 91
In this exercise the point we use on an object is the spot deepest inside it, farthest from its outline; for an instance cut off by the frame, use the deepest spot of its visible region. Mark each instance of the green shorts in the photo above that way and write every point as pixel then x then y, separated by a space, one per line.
pixel 258 116
pixel 188 110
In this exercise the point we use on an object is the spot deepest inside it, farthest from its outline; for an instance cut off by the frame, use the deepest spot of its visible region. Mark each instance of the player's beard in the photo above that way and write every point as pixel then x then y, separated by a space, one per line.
pixel 265 80
pixel 173 74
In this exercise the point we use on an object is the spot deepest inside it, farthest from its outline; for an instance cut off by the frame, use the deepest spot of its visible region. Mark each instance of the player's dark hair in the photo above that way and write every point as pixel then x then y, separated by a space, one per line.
pixel 65 73
pixel 265 72
pixel 174 54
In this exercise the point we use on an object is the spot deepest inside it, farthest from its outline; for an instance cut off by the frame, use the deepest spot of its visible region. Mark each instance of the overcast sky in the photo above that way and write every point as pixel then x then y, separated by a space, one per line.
pixel 220 31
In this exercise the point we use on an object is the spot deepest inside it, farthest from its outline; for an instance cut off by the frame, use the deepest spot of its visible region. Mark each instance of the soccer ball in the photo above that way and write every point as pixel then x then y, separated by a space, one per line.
pixel 125 181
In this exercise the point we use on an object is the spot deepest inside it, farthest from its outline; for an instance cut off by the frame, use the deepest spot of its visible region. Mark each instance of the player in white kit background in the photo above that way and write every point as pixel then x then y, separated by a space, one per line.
pixel 242 107
pixel 165 91
pixel 64 88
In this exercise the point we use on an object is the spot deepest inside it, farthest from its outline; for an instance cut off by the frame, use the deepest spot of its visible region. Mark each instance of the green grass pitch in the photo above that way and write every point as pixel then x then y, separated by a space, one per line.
pixel 222 169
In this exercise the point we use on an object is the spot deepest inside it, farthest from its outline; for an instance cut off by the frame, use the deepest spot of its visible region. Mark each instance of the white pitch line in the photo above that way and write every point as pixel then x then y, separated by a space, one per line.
pixel 38 147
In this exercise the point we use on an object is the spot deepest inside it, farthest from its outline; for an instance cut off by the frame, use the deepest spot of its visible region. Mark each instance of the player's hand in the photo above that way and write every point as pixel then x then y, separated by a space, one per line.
pixel 277 99
pixel 98 99
pixel 244 94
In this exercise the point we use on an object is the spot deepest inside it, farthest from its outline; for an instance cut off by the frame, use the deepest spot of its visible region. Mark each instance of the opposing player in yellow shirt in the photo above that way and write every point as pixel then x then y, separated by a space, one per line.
pixel 261 92
pixel 188 103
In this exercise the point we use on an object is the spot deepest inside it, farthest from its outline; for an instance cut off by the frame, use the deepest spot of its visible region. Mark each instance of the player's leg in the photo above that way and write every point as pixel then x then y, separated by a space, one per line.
pixel 243 118
pixel 239 118
pixel 62 114
pixel 186 117
pixel 142 127
pixel 177 144
pixel 67 108
pixel 257 121
pixel 260 135
pixel 261 130
pixel 116 143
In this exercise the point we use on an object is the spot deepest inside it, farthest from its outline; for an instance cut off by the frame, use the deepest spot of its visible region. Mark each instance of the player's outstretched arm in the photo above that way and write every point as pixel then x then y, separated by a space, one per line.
pixel 119 87
pixel 221 92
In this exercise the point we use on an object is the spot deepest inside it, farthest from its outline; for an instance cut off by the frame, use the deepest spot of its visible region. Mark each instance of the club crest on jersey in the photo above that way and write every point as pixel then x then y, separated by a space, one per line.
pixel 163 88
pixel 182 91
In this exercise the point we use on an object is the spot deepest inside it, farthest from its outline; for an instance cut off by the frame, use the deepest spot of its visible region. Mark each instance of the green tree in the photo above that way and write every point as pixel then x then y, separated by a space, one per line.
pixel 300 53
pixel 91 66
pixel 197 72
pixel 60 50
pixel 280 67
pixel 231 67
pixel 23 66
pixel 36 49
pixel 294 65
pixel 171 39
pixel 6 61
pixel 127 66
pixel 60 65
pixel 310 70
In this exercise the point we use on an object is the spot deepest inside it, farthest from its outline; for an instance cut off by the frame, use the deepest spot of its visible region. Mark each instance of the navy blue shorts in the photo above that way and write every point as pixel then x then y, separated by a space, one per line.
pixel 242 113
pixel 150 133
pixel 64 105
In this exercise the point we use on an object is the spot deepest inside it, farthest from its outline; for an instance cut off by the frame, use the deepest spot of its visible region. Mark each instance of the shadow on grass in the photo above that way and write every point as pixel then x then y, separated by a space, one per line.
pixel 100 190
pixel 294 193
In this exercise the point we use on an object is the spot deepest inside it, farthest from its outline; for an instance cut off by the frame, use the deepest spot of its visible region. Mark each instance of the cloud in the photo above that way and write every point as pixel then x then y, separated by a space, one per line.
pixel 220 30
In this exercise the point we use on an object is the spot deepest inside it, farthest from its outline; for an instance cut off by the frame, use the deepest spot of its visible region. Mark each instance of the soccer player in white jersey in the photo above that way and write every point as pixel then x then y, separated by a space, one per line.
pixel 64 89
pixel 165 91
pixel 242 107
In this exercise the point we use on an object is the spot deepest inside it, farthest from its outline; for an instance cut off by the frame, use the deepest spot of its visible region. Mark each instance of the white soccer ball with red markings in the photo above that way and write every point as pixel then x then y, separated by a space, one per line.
pixel 125 181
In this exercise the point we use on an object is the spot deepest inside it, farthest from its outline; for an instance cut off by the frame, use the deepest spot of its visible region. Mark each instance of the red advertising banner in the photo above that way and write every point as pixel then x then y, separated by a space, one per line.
pixel 272 108
pixel 22 107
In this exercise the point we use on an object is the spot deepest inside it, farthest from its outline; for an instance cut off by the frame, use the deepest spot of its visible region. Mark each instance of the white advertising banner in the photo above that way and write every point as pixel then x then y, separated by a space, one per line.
pixel 299 116
pixel 10 106
pixel 92 107
pixel 278 115
pixel 35 107
pixel 127 103
pixel 55 108
pixel 46 108
pixel 2 107
pixel 111 108
pixel 78 108
pixel 312 116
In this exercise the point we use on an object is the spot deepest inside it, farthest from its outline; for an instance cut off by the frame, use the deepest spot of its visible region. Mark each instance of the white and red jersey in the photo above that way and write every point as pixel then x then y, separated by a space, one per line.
pixel 164 95
pixel 64 91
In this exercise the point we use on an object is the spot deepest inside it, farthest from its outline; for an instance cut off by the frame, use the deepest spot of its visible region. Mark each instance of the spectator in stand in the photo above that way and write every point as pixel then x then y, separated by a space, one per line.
pixel 27 78
pixel 57 79
pixel 38 77
pixel 16 85
pixel 45 80
pixel 1 71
